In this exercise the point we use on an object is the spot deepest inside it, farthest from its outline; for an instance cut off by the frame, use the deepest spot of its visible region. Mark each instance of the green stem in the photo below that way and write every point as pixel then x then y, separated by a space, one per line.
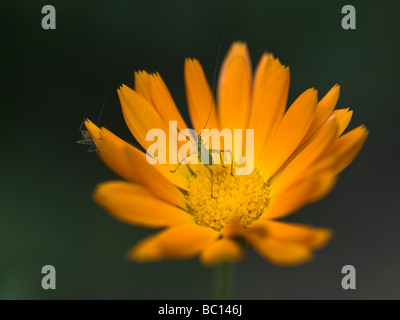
pixel 223 281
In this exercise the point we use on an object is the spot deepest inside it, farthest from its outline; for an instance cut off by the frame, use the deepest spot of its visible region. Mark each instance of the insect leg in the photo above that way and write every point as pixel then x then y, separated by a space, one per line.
pixel 188 138
pixel 222 161
pixel 220 154
pixel 212 181
pixel 87 141
pixel 173 171
pixel 230 152
pixel 92 148
pixel 81 126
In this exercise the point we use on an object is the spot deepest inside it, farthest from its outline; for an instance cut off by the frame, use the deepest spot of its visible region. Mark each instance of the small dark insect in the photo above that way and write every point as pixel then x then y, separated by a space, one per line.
pixel 86 138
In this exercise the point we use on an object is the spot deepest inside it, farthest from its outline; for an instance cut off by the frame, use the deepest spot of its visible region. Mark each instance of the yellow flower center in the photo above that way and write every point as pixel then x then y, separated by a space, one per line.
pixel 243 198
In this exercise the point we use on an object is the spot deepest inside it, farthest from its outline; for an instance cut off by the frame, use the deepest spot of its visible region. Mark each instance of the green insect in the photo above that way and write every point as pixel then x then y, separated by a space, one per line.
pixel 204 155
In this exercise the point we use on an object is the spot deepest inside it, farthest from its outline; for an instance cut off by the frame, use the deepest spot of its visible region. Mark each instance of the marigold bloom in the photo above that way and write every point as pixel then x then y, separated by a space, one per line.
pixel 297 154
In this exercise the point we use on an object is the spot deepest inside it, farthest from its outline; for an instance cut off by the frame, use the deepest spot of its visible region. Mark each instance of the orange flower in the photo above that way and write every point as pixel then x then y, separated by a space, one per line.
pixel 297 154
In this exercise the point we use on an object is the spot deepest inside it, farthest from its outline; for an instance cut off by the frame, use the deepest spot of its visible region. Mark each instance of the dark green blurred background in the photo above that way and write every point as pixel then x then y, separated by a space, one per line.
pixel 51 79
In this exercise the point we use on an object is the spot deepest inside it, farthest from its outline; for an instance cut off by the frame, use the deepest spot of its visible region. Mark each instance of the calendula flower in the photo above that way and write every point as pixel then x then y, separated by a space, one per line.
pixel 297 155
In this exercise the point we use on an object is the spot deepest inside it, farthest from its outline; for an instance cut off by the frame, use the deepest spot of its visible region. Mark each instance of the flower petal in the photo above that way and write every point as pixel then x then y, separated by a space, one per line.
pixel 199 97
pixel 324 110
pixel 183 241
pixel 314 237
pixel 221 251
pixel 112 152
pixel 146 250
pixel 141 117
pixel 269 98
pixel 345 149
pixel 279 252
pixel 123 158
pixel 290 133
pixel 284 243
pixel 94 131
pixel 321 141
pixel 343 117
pixel 305 189
pixel 163 102
pixel 142 84
pixel 135 204
pixel 234 93
pixel 232 229
pixel 157 177
pixel 326 182
pixel 237 49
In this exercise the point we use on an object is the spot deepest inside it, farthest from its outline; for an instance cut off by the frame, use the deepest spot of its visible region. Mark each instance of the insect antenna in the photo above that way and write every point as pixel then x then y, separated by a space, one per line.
pixel 103 106
pixel 214 82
